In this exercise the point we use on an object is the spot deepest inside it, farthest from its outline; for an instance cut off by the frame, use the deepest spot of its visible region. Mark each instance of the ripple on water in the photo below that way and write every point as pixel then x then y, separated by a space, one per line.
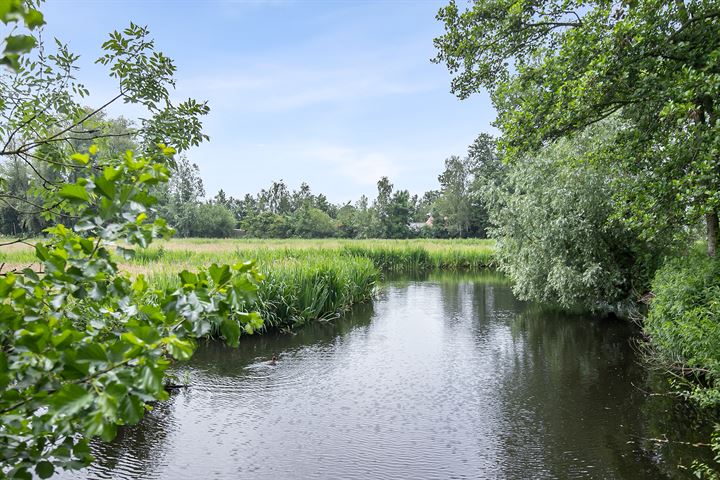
pixel 442 380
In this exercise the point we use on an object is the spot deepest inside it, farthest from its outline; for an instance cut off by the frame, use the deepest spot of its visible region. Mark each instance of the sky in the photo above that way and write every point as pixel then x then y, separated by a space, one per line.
pixel 329 92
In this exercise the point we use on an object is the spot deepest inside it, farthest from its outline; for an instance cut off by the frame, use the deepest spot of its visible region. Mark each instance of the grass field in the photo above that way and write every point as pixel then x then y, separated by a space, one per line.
pixel 306 280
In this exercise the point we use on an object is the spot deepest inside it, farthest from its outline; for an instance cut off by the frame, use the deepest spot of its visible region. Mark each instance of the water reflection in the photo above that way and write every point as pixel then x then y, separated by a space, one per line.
pixel 439 377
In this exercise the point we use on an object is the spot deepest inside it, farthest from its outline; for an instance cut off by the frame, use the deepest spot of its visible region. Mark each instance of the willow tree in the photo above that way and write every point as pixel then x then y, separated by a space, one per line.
pixel 555 67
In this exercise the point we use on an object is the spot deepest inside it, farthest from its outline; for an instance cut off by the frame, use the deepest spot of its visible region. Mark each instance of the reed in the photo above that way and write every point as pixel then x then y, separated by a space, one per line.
pixel 305 280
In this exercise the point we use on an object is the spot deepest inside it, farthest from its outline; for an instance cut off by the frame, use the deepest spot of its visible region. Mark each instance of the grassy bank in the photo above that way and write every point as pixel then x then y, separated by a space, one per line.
pixel 305 280
pixel 683 326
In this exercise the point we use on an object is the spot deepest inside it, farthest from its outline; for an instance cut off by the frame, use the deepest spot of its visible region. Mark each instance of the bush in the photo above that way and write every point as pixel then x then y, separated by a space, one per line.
pixel 683 325
pixel 213 220
pixel 311 222
pixel 552 217
pixel 684 318
pixel 201 220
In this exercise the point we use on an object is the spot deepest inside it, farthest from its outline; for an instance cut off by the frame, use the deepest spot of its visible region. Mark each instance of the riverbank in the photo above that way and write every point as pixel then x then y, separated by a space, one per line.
pixel 305 280
pixel 309 280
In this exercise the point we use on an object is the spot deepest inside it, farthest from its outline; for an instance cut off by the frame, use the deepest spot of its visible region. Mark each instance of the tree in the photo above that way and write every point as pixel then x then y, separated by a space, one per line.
pixel 15 216
pixel 311 222
pixel 83 346
pixel 555 67
pixel 266 224
pixel 347 221
pixel 185 185
pixel 392 211
pixel 364 218
pixel 221 198
pixel 556 236
pixel 276 199
pixel 454 204
pixel 180 199
pixel 301 197
pixel 400 213
pixel 212 221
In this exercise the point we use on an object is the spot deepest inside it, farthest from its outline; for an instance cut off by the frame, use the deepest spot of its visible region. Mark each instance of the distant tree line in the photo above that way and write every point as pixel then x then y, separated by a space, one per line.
pixel 455 210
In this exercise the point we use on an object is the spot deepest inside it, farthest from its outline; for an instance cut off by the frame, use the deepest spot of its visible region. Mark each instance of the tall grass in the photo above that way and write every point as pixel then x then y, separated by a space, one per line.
pixel 305 280
pixel 299 286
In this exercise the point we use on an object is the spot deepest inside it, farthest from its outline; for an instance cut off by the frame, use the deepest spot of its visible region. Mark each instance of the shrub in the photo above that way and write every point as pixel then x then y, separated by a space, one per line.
pixel 557 239
pixel 684 318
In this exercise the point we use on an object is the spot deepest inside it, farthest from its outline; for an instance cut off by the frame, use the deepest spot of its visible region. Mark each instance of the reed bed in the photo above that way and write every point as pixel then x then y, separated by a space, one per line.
pixel 305 280
pixel 299 286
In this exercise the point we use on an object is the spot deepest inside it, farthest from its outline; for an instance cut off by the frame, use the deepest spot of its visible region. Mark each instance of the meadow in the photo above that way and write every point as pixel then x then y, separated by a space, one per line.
pixel 305 280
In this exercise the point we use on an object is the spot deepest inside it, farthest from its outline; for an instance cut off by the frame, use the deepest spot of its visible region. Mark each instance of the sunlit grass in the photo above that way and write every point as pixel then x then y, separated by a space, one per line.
pixel 305 280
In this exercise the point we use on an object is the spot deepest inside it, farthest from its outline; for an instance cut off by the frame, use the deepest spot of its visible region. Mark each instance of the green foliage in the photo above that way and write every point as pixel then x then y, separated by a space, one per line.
pixel 555 67
pixel 201 220
pixel 454 207
pixel 683 318
pixel 267 225
pixel 683 327
pixel 458 209
pixel 84 345
pixel 556 239
pixel 20 13
pixel 392 212
pixel 311 222
pixel 214 221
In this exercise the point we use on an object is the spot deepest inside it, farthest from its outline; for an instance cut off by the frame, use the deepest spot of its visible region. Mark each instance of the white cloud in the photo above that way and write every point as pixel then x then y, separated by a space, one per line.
pixel 281 86
pixel 363 168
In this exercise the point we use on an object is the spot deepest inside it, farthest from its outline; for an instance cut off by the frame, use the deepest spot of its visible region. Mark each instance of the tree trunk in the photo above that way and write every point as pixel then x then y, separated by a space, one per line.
pixel 712 233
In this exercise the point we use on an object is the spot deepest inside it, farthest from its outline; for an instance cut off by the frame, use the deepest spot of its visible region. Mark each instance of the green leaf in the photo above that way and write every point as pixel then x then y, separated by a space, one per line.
pixel 109 432
pixel 131 409
pixel 41 252
pixel 93 352
pixel 188 278
pixel 146 333
pixel 70 399
pixel 74 192
pixel 220 275
pixel 33 19
pixel 81 158
pixel 151 379
pixel 111 173
pixel 231 331
pixel 63 339
pixel 180 349
pixel 19 43
pixel 44 469
pixel 11 60
pixel 81 449
pixel 105 187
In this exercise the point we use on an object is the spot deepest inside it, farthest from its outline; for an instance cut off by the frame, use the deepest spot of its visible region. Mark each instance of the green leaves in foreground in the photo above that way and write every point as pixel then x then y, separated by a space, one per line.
pixel 85 346
pixel 17 11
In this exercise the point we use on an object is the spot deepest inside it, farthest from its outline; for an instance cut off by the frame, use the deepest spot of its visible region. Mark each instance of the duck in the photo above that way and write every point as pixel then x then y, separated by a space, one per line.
pixel 274 360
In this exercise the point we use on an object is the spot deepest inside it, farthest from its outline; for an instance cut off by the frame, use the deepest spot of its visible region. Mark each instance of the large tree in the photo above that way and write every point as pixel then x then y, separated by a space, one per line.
pixel 555 67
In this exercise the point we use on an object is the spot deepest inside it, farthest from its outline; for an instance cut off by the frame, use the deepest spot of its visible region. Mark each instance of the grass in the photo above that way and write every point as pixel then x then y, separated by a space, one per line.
pixel 306 280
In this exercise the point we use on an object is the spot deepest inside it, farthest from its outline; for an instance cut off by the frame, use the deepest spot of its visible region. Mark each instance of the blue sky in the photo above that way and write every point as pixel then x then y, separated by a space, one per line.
pixel 334 93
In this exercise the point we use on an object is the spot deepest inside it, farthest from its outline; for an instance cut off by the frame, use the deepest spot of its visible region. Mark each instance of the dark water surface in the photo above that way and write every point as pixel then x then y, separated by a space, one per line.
pixel 448 377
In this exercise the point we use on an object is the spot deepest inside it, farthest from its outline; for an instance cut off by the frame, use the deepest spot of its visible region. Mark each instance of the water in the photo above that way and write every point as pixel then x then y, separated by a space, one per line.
pixel 448 377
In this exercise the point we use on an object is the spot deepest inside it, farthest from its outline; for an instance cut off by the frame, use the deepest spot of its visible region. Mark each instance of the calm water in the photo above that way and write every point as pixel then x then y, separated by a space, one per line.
pixel 448 377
